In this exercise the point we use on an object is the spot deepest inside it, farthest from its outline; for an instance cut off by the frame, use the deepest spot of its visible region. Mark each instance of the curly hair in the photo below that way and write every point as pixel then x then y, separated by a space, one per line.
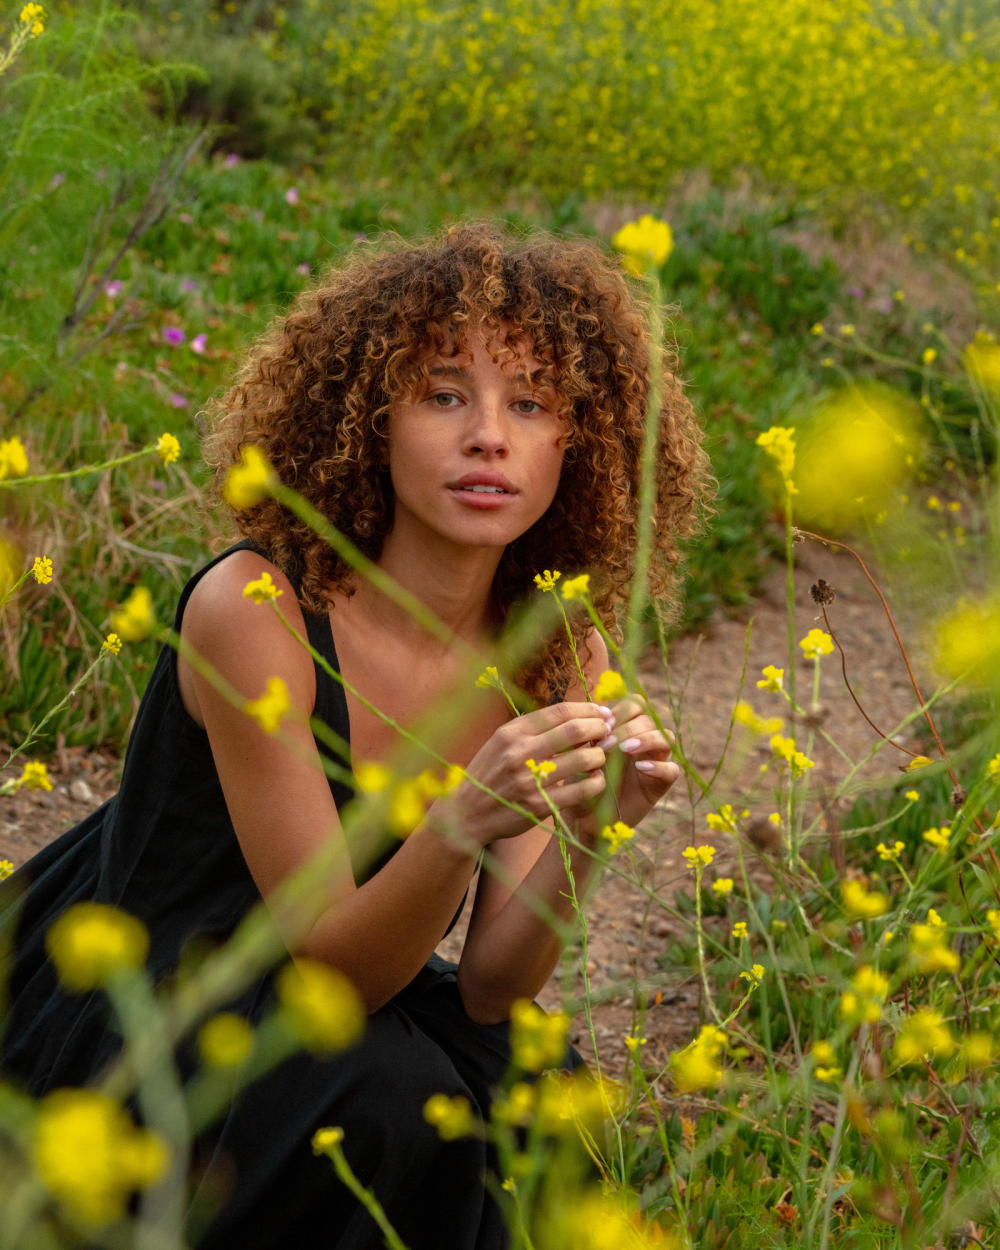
pixel 315 394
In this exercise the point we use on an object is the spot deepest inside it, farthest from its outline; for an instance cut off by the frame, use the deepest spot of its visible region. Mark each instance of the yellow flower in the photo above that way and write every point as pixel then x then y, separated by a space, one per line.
pixel 890 853
pixel 617 835
pixel 817 328
pixel 648 241
pixel 6 868
pixel 320 1005
pixel 772 678
pixel 489 678
pixel 576 587
pixel 925 1034
pixel 324 1139
pixel 540 770
pixel 263 590
pixel 407 807
pixel 743 714
pixel 723 886
pixel 993 917
pixel 371 778
pixel 33 15
pixel 537 1040
pixel 699 856
pixel 966 641
pixel 635 1043
pixel 981 358
pixel 977 1050
pixel 168 448
pixel 815 644
pixel 91 942
pixel 779 443
pixel 918 761
pixel 90 1155
pixel 111 645
pixel 548 579
pixel 725 819
pixel 912 796
pixel 610 687
pixel 847 330
pixel 250 481
pixel 754 976
pixel 785 749
pixel 697 1066
pixel 13 458
pixel 452 1117
pixel 225 1041
pixel 825 1058
pixel 34 776
pixel 41 570
pixel 863 1001
pixel 928 355
pixel 135 619
pixel 861 902
pixel 938 838
pixel 930 949
pixel 740 930
pixel 272 706
pixel 993 770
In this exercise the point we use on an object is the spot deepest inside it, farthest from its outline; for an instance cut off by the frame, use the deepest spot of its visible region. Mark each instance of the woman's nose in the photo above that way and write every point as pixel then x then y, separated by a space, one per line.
pixel 486 432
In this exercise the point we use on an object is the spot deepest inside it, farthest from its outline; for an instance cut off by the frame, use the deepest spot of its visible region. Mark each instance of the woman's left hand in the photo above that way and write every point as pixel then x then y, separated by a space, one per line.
pixel 649 772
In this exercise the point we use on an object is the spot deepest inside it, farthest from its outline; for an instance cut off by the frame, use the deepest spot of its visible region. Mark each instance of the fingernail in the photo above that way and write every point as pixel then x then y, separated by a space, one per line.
pixel 607 743
pixel 645 766
pixel 606 712
pixel 631 744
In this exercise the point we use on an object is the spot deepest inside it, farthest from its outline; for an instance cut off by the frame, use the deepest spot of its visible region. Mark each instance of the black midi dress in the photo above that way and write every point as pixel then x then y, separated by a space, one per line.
pixel 164 849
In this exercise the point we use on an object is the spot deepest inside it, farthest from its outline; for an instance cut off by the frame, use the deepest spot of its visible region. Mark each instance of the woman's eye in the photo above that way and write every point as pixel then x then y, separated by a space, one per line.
pixel 444 399
pixel 528 406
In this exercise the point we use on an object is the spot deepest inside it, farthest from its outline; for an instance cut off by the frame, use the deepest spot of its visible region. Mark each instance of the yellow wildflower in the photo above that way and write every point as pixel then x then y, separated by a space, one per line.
pixel 725 819
pixel 617 835
pixel 41 570
pixel 90 1155
pixel 993 917
pixel 993 770
pixel 371 778
pixel 576 587
pixel 772 678
pixel 13 458
pixel 754 976
pixel 863 1001
pixel 6 868
pixel 743 714
pixel 407 807
pixel 966 641
pixel 930 949
pixel 452 1117
pixel 548 579
pixel 779 443
pixel 861 902
pixel 847 330
pixel 981 358
pixel 817 328
pixel 918 761
pixel 225 1041
pixel 540 770
pixel 911 796
pixel 699 856
pixel 272 706
pixel 648 241
pixel 250 481
pixel 111 645
pixel 135 619
pixel 320 1005
pixel 324 1139
pixel 977 1050
pixel 740 930
pixel 928 355
pixel 938 838
pixel 697 1066
pixel 924 1035
pixel 33 15
pixel 489 678
pixel 610 687
pixel 635 1044
pixel 34 776
pixel 168 448
pixel 815 644
pixel 92 942
pixel 785 749
pixel 890 853
pixel 723 886
pixel 825 1059
pixel 537 1040
pixel 263 590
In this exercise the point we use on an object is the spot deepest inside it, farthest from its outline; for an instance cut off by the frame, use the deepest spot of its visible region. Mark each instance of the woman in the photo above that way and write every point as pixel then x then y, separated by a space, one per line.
pixel 468 412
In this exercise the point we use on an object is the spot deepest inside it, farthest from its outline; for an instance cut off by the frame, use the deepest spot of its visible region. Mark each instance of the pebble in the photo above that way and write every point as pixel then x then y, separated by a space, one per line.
pixel 80 792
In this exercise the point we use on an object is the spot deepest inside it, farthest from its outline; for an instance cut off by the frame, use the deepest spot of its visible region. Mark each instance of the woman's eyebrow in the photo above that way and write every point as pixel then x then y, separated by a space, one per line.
pixel 447 371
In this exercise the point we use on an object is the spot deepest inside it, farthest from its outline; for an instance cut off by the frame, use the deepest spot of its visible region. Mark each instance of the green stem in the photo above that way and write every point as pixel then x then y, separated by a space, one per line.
pixel 367 1199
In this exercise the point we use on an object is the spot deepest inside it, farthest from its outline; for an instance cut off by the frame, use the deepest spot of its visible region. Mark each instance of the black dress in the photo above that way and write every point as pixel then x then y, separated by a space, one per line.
pixel 164 849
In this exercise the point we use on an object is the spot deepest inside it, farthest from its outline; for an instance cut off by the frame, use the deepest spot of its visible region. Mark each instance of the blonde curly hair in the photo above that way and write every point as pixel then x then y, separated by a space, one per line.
pixel 315 393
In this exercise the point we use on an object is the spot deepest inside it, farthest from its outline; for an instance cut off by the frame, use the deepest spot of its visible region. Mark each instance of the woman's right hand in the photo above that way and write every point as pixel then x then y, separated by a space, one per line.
pixel 567 734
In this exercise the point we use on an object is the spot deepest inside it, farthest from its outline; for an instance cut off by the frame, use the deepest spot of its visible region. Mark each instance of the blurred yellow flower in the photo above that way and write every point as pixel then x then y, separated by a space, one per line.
pixel 576 587
pixel 938 838
pixel 168 448
pixel 754 976
pixel 771 678
pixel 697 1066
pixel 325 1139
pixel 90 1155
pixel 489 678
pixel 225 1040
pixel 740 930
pixel 91 942
pixel 263 590
pixel 6 868
pixel 644 243
pixel 977 1050
pixel 779 443
pixel 407 806
pixel 966 642
pixel 610 687
pixel 912 796
pixel 272 706
pixel 41 570
pixel 33 15
pixel 743 714
pixel 34 776
pixel 890 853
pixel 981 358
pixel 249 481
pixel 617 835
pixel 918 761
pixel 13 458
pixel 320 1005
pixel 929 946
pixel 861 902
pixel 863 1001
pixel 540 770
pixel 371 777
pixel 135 619
pixel 924 1035
pixel 452 1117
pixel 929 355
pixel 723 886
pixel 537 1040
pixel 815 644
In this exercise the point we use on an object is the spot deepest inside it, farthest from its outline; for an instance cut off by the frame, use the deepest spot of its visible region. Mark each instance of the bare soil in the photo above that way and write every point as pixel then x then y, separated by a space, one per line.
pixel 627 935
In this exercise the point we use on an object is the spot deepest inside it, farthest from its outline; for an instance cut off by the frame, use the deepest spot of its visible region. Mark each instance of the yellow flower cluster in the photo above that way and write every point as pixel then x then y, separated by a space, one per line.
pixel 786 750
pixel 225 1041
pixel 135 619
pixel 861 902
pixel 779 443
pixel 34 776
pixel 547 580
pixel 320 1005
pixel 576 587
pixel 452 1117
pixel 617 835
pixel 743 714
pixel 723 886
pixel 250 481
pixel 645 243
pixel 537 1040
pixel 771 678
pixel 91 1156
pixel 699 857
pixel 41 570
pixel 863 1001
pixel 815 644
pixel 540 770
pixel 33 15
pixel 938 838
pixel 890 853
pixel 91 942
pixel 610 687
pixel 6 868
pixel 13 458
pixel 272 707
pixel 929 946
pixel 111 645
pixel 924 1035
pixel 263 590
pixel 168 448
pixel 697 1066
pixel 726 819
pixel 825 1059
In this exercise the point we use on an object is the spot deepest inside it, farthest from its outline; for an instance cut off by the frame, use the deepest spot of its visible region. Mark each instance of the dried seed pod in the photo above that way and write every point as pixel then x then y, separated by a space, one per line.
pixel 822 592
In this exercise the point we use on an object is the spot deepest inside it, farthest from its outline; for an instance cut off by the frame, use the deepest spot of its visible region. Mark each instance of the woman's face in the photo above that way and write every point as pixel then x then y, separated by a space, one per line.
pixel 475 455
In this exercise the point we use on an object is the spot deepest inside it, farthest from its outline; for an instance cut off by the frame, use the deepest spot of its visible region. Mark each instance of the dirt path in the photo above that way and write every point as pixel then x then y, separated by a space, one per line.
pixel 628 937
